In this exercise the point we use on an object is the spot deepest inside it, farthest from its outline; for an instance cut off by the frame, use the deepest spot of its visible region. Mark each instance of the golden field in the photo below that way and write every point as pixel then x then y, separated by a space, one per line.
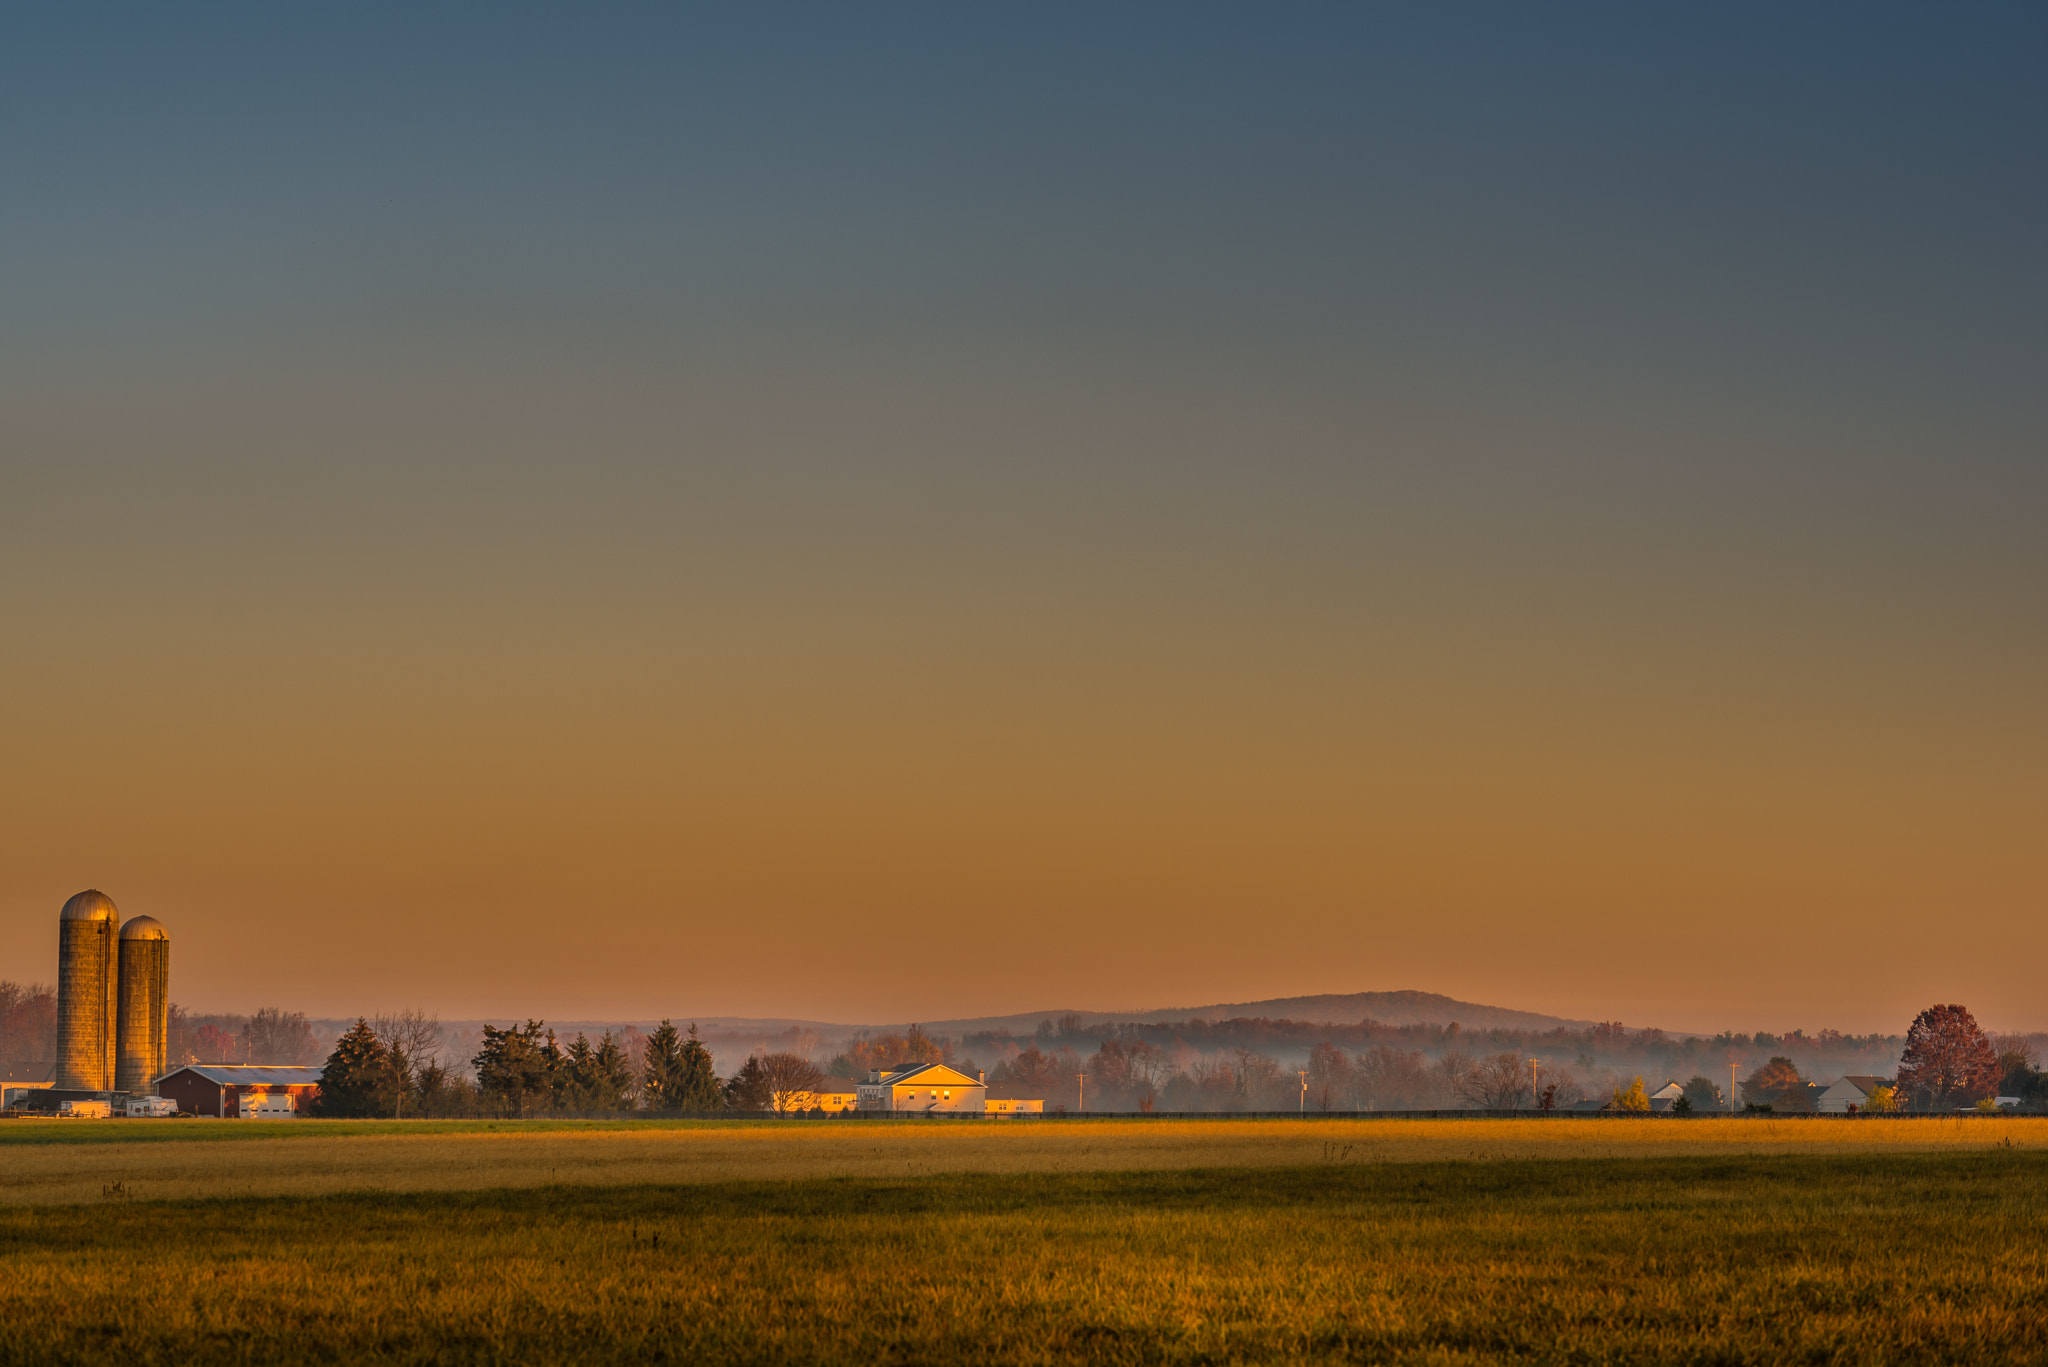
pixel 69 1162
pixel 1879 1256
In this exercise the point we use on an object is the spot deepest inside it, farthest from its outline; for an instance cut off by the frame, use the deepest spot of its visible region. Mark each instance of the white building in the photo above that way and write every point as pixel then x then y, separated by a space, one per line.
pixel 928 1088
pixel 1845 1092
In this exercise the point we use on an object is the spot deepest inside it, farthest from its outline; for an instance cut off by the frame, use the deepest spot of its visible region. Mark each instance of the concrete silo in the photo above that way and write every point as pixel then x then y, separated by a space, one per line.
pixel 142 1015
pixel 87 979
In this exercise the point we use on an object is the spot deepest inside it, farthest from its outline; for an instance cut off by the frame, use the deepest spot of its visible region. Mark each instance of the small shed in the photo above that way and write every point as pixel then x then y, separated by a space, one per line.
pixel 241 1091
pixel 18 1081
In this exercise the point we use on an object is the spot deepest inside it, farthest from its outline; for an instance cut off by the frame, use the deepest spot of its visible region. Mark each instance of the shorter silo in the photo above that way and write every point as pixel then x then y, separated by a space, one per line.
pixel 85 992
pixel 143 1017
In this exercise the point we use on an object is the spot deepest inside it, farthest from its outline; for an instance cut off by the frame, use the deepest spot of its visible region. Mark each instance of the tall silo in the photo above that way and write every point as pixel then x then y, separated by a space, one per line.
pixel 86 982
pixel 142 1017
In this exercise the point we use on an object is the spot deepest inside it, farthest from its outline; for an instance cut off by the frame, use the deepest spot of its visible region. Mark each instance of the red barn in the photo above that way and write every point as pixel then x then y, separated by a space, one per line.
pixel 241 1091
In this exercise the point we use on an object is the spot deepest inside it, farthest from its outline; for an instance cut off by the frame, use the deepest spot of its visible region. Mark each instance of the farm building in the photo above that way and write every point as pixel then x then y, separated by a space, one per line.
pixel 930 1088
pixel 21 1079
pixel 241 1091
pixel 1845 1092
pixel 1007 1104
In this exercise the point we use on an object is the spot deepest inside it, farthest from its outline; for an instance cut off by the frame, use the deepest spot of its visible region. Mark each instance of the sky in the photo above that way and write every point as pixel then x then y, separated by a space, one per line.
pixel 881 513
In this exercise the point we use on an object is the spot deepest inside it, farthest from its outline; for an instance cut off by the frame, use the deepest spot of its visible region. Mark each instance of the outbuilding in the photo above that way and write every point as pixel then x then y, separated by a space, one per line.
pixel 17 1082
pixel 242 1091
pixel 1852 1091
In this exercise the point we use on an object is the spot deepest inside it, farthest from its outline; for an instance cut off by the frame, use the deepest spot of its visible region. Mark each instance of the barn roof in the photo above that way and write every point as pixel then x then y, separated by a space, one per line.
pixel 252 1074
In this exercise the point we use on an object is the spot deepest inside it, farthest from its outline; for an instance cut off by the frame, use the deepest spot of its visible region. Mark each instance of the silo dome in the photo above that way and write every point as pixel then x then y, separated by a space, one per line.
pixel 91 905
pixel 143 928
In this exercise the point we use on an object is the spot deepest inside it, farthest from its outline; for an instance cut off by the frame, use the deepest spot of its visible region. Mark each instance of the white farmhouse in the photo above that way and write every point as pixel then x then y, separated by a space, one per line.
pixel 930 1088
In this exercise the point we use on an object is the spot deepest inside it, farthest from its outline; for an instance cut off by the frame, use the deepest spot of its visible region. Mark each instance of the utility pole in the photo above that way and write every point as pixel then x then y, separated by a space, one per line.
pixel 1732 1066
pixel 1303 1108
pixel 1535 1092
pixel 1082 1078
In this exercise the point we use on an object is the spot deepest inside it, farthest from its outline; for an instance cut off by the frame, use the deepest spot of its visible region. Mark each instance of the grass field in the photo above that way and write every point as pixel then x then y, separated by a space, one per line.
pixel 66 1162
pixel 1882 1244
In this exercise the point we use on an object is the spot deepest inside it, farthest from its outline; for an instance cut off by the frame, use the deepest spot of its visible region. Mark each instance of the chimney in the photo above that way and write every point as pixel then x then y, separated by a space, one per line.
pixel 981 1077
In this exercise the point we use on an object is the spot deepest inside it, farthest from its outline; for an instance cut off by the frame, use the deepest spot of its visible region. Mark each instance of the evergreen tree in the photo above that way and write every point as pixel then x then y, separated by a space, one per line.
pixel 596 1078
pixel 750 1088
pixel 579 1088
pixel 516 1068
pixel 613 1074
pixel 359 1079
pixel 661 1069
pixel 700 1090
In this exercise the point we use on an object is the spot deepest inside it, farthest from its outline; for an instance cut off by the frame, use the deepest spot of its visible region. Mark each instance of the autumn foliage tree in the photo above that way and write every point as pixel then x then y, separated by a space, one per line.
pixel 1948 1061
pixel 1778 1085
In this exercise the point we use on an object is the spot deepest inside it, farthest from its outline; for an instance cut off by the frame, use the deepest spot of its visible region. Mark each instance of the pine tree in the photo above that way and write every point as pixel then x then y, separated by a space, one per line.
pixel 749 1089
pixel 661 1069
pixel 699 1090
pixel 359 1079
pixel 613 1074
pixel 579 1087
pixel 517 1068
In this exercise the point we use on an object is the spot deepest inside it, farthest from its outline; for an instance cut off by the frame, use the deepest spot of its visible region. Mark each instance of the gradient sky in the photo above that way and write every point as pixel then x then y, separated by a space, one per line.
pixel 909 512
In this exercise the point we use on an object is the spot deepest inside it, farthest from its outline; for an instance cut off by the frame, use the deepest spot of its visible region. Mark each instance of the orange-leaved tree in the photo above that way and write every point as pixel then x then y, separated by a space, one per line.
pixel 1948 1061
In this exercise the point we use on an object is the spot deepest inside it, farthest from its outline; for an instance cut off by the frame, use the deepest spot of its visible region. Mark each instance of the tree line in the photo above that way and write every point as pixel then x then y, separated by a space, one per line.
pixel 28 1032
pixel 391 1066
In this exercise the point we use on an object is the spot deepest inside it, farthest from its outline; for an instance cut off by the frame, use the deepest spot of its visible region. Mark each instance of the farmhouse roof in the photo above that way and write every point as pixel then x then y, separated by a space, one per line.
pixel 252 1074
pixel 927 1075
pixel 29 1074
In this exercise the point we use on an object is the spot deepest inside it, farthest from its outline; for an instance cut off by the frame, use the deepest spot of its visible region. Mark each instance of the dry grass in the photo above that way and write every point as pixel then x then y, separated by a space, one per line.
pixel 180 1160
pixel 1879 1257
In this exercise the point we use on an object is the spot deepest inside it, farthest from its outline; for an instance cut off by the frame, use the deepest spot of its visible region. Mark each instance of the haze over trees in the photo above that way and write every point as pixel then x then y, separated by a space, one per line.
pixel 527 1070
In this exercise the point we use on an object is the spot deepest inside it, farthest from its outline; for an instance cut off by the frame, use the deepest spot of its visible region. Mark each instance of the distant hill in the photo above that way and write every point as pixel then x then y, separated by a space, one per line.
pixel 1333 1008
pixel 1348 1008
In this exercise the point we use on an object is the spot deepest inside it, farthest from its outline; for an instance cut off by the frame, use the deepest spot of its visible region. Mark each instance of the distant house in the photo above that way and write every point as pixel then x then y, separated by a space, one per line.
pixel 17 1082
pixel 241 1091
pixel 1665 1097
pixel 1005 1103
pixel 928 1088
pixel 833 1095
pixel 1846 1092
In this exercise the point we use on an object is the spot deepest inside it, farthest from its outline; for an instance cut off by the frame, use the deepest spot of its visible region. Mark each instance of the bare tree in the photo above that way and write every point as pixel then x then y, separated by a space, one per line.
pixel 1498 1082
pixel 1452 1073
pixel 274 1035
pixel 1329 1076
pixel 413 1039
pixel 1389 1079
pixel 1563 1087
pixel 793 1082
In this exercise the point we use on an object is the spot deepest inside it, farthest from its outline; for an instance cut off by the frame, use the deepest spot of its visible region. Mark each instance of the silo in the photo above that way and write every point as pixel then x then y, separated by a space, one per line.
pixel 142 1016
pixel 86 983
